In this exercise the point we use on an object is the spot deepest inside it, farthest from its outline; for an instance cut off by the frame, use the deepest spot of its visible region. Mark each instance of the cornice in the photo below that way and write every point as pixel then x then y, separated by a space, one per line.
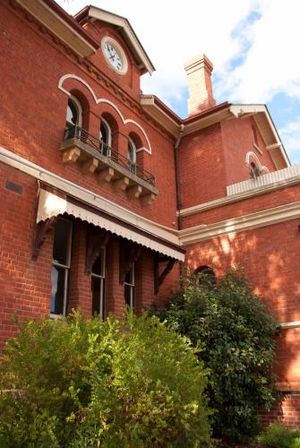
pixel 59 23
pixel 125 29
pixel 89 197
pixel 289 325
pixel 91 70
pixel 221 202
pixel 243 223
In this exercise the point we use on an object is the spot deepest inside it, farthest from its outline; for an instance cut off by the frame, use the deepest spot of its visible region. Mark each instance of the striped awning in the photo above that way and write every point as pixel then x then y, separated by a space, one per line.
pixel 51 205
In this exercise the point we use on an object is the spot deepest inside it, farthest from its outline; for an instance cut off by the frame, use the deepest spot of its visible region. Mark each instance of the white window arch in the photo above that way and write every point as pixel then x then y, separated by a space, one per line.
pixel 131 155
pixel 105 138
pixel 255 166
pixel 73 118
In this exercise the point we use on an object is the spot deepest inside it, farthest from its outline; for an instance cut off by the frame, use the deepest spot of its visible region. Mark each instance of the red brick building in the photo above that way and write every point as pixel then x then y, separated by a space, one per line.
pixel 105 192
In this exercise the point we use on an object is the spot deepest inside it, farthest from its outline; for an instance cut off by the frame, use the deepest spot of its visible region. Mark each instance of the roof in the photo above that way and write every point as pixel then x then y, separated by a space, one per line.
pixel 126 30
pixel 56 20
pixel 216 114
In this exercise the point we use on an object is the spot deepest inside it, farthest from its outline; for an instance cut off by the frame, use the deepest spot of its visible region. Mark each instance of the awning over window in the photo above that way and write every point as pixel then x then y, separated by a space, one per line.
pixel 51 205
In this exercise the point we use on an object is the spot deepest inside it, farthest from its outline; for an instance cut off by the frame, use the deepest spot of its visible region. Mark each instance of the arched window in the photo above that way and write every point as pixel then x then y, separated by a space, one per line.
pixel 105 138
pixel 255 166
pixel 73 118
pixel 205 274
pixel 254 170
pixel 131 155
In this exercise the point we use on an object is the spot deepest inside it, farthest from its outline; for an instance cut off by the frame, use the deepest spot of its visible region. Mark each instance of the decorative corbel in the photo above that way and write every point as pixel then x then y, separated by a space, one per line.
pixel 95 241
pixel 41 231
pixel 130 253
pixel 159 277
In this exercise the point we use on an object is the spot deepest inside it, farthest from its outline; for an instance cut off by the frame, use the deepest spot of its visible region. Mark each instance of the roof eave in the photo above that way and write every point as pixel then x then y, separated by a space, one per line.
pixel 267 129
pixel 126 30
pixel 58 22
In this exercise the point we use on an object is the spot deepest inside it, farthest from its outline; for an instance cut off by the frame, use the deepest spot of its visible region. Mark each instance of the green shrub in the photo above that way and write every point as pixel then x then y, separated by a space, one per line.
pixel 78 383
pixel 279 436
pixel 235 332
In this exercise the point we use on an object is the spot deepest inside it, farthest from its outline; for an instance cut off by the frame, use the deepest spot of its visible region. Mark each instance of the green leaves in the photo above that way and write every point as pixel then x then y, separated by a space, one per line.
pixel 236 334
pixel 91 383
pixel 279 436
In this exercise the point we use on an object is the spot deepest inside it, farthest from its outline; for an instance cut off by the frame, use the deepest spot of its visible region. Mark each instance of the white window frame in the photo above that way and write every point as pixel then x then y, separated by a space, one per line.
pixel 131 285
pixel 79 110
pixel 66 267
pixel 109 137
pixel 101 276
pixel 132 161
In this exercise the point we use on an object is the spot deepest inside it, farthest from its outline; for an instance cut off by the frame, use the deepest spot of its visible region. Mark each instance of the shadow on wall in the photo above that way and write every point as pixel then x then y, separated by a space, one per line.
pixel 269 258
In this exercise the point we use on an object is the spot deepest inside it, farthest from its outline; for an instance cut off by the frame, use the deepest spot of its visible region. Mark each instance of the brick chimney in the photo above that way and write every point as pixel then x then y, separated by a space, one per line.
pixel 199 70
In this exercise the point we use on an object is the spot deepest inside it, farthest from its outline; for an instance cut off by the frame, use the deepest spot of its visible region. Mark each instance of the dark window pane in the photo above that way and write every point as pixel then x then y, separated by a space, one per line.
pixel 128 277
pixel 97 296
pixel 98 267
pixel 72 113
pixel 104 133
pixel 61 242
pixel 128 292
pixel 58 276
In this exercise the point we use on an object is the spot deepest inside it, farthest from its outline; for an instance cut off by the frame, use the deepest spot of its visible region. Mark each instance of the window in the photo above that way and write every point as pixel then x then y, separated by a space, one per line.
pixel 131 156
pixel 105 138
pixel 61 266
pixel 254 170
pixel 98 284
pixel 205 274
pixel 129 287
pixel 73 118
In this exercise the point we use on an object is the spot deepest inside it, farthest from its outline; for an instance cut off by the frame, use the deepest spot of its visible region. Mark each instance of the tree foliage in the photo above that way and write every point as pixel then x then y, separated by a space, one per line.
pixel 234 333
pixel 78 383
pixel 279 436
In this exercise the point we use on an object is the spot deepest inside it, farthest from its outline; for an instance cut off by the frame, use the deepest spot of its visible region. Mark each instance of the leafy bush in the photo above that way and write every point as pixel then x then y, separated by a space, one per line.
pixel 236 335
pixel 78 383
pixel 279 436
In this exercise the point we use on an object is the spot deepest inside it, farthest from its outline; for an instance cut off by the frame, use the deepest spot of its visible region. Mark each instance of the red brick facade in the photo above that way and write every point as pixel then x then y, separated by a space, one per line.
pixel 143 227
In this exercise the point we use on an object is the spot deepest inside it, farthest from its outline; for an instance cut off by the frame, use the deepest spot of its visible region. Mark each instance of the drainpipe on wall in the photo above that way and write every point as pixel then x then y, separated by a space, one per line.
pixel 177 183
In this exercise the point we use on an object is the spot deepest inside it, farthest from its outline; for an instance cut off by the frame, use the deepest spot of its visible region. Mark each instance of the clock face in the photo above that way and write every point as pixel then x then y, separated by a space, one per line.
pixel 114 55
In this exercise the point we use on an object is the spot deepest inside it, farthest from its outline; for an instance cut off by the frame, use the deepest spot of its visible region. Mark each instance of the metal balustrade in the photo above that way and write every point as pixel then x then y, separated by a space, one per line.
pixel 76 132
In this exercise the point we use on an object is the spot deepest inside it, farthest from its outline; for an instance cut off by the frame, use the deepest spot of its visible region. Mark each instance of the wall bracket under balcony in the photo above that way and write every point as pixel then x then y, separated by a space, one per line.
pixel 95 157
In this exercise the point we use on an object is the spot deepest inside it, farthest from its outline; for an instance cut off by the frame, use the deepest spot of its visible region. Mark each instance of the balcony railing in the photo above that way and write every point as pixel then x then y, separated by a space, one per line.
pixel 76 132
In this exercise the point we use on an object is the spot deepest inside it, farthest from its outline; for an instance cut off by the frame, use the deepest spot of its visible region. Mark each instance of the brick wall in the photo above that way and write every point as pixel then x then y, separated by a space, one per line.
pixel 201 167
pixel 26 283
pixel 238 139
pixel 33 112
pixel 268 257
pixel 285 411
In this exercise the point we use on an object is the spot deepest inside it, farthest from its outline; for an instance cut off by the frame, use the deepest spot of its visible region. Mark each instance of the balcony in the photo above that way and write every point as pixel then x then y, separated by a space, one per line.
pixel 265 182
pixel 95 156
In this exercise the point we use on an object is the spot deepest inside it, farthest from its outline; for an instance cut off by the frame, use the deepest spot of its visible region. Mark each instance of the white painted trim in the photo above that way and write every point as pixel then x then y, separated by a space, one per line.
pixel 105 101
pixel 89 197
pixel 260 151
pixel 264 180
pixel 261 168
pixel 30 7
pixel 221 202
pixel 243 223
pixel 238 110
pixel 287 325
pixel 51 205
pixel 123 23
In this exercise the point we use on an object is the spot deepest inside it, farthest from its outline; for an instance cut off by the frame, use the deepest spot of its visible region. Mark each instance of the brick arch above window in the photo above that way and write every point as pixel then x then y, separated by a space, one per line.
pixel 109 103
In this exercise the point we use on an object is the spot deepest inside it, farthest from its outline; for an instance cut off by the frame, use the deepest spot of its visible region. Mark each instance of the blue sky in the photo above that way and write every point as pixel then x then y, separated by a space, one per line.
pixel 253 44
